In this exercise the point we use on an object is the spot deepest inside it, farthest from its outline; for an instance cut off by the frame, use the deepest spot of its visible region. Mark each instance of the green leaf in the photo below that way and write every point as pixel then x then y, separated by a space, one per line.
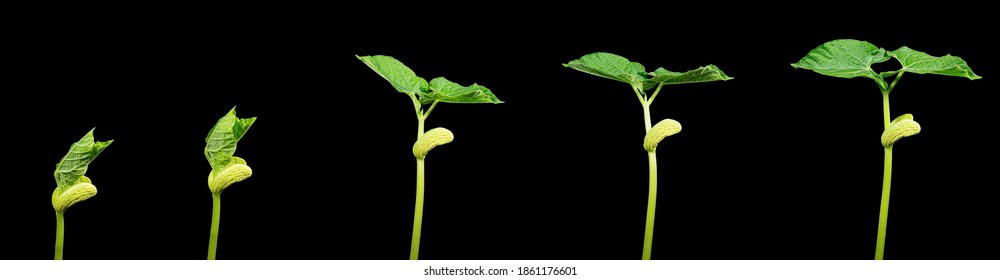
pixel 73 166
pixel 845 58
pixel 400 76
pixel 921 63
pixel 446 91
pixel 610 66
pixel 220 145
pixel 241 126
pixel 708 73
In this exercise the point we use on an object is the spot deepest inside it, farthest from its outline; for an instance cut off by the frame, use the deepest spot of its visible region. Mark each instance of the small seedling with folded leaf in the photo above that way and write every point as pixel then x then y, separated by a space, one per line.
pixel 422 94
pixel 220 145
pixel 72 185
pixel 848 58
pixel 618 68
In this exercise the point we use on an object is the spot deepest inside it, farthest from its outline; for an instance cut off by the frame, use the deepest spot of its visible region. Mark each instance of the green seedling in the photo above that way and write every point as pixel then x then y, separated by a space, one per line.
pixel 852 58
pixel 423 93
pixel 618 68
pixel 71 184
pixel 220 145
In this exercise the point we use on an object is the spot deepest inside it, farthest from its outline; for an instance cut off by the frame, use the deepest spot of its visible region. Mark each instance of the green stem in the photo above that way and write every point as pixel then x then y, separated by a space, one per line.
pixel 418 212
pixel 213 240
pixel 431 108
pixel 645 114
pixel 647 244
pixel 418 208
pixel 59 235
pixel 655 92
pixel 420 126
pixel 883 214
pixel 885 109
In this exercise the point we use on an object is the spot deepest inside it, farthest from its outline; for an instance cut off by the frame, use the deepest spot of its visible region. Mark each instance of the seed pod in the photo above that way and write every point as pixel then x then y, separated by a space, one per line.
pixel 62 199
pixel 238 170
pixel 659 131
pixel 900 127
pixel 432 138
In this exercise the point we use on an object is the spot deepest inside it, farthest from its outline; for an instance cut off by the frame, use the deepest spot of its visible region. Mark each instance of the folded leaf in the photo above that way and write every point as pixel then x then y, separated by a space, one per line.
pixel 845 58
pixel 702 74
pixel 921 63
pixel 74 164
pixel 446 91
pixel 610 66
pixel 220 145
pixel 400 76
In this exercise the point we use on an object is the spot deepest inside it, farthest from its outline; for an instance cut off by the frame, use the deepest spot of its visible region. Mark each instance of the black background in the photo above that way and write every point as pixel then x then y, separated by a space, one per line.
pixel 778 163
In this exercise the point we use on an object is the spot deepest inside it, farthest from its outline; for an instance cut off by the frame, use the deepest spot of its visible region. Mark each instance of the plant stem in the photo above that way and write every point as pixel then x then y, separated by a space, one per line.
pixel 59 235
pixel 420 127
pixel 645 111
pixel 418 207
pixel 883 214
pixel 885 109
pixel 418 212
pixel 647 244
pixel 213 240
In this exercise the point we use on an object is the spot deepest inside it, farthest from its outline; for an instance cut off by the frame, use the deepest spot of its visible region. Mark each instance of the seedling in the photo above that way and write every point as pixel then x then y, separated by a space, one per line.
pixel 226 168
pixel 423 93
pixel 618 68
pixel 848 58
pixel 71 184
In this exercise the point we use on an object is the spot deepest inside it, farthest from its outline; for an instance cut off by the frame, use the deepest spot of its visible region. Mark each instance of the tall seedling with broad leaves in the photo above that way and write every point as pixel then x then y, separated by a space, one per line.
pixel 71 184
pixel 853 58
pixel 618 68
pixel 423 94
pixel 220 145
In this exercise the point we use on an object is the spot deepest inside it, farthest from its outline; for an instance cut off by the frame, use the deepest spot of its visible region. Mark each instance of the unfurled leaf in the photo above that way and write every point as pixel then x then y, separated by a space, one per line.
pixel 610 66
pixel 618 68
pixel 220 145
pixel 702 74
pixel 845 58
pixel 921 63
pixel 73 166
pixel 446 91
pixel 400 76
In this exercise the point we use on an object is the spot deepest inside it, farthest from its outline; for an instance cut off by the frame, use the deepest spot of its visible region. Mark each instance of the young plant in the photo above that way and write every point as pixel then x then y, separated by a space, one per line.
pixel 220 145
pixel 853 58
pixel 618 68
pixel 423 93
pixel 71 184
